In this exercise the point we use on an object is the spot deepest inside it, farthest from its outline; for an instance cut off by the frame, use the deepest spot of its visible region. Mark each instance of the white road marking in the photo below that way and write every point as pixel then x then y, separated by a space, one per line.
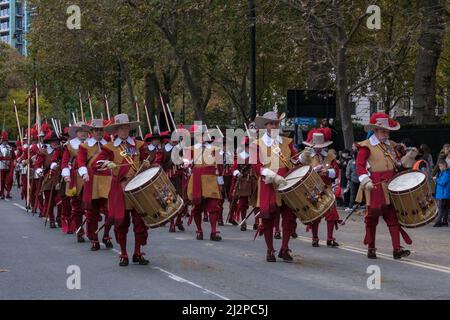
pixel 182 280
pixel 385 256
pixel 20 206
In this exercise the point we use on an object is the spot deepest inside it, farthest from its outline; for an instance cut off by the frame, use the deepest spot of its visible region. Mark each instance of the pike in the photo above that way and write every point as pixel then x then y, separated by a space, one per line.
pixel 81 108
pixel 138 117
pixel 74 119
pixel 246 130
pixel 164 110
pixel 90 105
pixel 28 150
pixel 107 107
pixel 157 124
pixel 38 117
pixel 171 117
pixel 80 227
pixel 18 122
pixel 148 118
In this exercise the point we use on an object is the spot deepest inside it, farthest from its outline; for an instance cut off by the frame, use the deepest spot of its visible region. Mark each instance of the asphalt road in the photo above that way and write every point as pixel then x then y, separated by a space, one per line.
pixel 34 262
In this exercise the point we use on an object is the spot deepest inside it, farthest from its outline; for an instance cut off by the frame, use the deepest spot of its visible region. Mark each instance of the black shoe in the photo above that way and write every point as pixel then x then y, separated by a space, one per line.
pixel 401 253
pixel 255 226
pixel 372 253
pixel 215 237
pixel 199 236
pixel 140 259
pixel 81 239
pixel 123 261
pixel 52 225
pixel 234 223
pixel 70 232
pixel 95 246
pixel 180 227
pixel 244 227
pixel 294 235
pixel 332 244
pixel 440 224
pixel 58 221
pixel 205 218
pixel 172 228
pixel 277 235
pixel 271 257
pixel 285 255
pixel 315 243
pixel 220 223
pixel 8 196
pixel 2 197
pixel 107 242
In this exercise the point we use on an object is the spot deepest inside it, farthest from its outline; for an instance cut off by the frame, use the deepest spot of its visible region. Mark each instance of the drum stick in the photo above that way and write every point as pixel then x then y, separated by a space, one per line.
pixel 351 212
pixel 248 216
pixel 79 229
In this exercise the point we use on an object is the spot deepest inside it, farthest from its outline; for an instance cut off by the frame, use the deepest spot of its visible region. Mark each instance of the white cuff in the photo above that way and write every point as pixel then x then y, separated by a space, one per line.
pixel 265 171
pixel 236 173
pixel 39 170
pixel 65 172
pixel 53 166
pixel 220 180
pixel 331 173
pixel 82 171
pixel 362 177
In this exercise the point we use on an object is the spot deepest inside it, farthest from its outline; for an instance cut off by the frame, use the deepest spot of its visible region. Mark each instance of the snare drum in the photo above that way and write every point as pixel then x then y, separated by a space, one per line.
pixel 412 199
pixel 153 196
pixel 306 194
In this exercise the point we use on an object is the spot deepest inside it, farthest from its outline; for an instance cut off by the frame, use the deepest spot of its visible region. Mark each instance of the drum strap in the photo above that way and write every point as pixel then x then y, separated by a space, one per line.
pixel 388 154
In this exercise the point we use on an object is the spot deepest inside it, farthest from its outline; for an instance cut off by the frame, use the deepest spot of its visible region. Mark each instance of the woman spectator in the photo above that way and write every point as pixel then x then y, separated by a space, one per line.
pixel 424 151
pixel 442 193
pixel 443 155
pixel 352 177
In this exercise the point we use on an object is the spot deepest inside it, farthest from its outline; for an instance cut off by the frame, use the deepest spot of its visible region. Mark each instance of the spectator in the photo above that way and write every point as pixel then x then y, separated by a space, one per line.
pixel 443 155
pixel 442 193
pixel 352 177
pixel 345 189
pixel 424 151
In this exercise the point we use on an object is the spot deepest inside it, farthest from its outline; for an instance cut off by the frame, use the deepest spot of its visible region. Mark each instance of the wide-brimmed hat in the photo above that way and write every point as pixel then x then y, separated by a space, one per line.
pixel 381 120
pixel 95 124
pixel 318 141
pixel 51 136
pixel 75 128
pixel 267 117
pixel 120 120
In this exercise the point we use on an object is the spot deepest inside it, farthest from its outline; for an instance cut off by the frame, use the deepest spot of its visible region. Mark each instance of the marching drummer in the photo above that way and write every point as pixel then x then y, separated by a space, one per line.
pixel 323 161
pixel 376 163
pixel 273 153
pixel 124 156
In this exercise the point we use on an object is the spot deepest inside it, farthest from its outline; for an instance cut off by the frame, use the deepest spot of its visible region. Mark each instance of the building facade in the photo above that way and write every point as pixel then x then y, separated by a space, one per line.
pixel 14 24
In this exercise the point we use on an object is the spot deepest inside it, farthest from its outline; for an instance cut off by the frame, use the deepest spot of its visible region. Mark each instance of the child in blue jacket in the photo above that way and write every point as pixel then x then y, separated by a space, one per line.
pixel 442 193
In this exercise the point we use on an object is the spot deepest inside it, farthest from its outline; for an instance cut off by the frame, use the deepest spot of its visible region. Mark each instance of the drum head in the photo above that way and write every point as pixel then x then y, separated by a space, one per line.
pixel 295 176
pixel 142 178
pixel 406 181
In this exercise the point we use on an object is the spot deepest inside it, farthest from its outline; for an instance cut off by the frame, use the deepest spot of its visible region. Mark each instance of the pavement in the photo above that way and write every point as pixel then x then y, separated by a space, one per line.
pixel 37 263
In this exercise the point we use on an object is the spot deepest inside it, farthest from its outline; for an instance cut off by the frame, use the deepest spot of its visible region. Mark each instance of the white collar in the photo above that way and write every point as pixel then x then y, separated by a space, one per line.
pixel 49 149
pixel 118 141
pixel 152 147
pixel 374 140
pixel 92 141
pixel 168 147
pixel 244 154
pixel 75 143
pixel 268 141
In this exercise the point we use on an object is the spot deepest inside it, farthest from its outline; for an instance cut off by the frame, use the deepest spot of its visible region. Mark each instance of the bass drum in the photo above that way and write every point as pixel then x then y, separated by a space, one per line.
pixel 153 196
pixel 411 196
pixel 306 194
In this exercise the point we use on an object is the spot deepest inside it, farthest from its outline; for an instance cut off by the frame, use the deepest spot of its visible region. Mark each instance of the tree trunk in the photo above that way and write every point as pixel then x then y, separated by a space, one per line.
pixel 342 97
pixel 195 92
pixel 150 91
pixel 126 72
pixel 430 47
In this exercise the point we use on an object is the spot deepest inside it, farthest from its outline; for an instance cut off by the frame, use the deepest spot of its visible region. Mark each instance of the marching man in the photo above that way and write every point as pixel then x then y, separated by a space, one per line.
pixel 323 161
pixel 74 183
pixel 273 154
pixel 7 157
pixel 122 157
pixel 96 186
pixel 376 163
